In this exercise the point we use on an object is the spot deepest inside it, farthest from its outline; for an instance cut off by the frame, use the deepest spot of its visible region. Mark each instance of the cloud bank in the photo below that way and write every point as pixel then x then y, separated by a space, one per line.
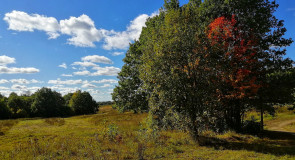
pixel 82 29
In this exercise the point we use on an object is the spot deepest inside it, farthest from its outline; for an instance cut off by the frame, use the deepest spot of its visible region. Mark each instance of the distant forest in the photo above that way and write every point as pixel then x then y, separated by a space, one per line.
pixel 48 103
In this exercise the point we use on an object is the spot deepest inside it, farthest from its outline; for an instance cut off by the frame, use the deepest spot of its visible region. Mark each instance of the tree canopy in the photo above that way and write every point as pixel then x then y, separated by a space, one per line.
pixel 204 64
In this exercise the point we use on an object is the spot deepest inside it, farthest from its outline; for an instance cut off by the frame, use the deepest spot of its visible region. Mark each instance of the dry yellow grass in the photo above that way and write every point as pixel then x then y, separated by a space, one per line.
pixel 113 135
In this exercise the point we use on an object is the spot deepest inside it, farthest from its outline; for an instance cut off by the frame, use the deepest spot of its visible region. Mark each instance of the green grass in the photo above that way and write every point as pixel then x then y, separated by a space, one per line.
pixel 113 135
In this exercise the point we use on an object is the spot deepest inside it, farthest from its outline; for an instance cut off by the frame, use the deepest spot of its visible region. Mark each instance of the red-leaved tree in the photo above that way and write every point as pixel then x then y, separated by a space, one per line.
pixel 237 66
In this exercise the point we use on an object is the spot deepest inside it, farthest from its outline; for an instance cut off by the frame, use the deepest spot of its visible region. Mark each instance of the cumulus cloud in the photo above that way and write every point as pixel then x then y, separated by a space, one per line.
pixel 106 71
pixel 14 70
pixel 82 30
pixel 121 40
pixel 18 87
pixel 97 59
pixel 89 85
pixel 2 81
pixel 117 53
pixel 24 81
pixel 63 65
pixel 4 60
pixel 106 81
pixel 3 88
pixel 84 64
pixel 19 81
pixel 82 73
pixel 89 61
pixel 93 91
pixel 105 86
pixel 65 82
pixel 21 21
pixel 67 75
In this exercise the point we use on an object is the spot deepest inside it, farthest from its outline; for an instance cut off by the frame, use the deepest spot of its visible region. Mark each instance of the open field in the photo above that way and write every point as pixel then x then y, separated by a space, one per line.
pixel 113 135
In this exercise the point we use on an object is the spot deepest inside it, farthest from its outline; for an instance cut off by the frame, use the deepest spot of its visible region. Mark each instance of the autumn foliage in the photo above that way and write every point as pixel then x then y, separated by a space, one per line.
pixel 238 53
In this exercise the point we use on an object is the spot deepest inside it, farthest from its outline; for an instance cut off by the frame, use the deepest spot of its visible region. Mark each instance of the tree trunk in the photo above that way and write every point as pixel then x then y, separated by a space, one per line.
pixel 261 119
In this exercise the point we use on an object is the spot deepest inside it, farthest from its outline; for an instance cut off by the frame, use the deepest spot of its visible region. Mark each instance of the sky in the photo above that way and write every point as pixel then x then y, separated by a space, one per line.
pixel 78 45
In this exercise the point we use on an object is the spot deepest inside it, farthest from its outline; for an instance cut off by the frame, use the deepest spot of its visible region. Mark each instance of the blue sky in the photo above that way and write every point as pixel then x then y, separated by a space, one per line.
pixel 69 45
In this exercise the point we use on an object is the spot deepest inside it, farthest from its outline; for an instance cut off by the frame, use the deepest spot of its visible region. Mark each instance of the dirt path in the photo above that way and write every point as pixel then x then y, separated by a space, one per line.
pixel 279 126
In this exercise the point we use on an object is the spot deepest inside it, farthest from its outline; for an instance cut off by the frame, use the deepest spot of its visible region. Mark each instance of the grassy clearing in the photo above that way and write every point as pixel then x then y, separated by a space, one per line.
pixel 113 135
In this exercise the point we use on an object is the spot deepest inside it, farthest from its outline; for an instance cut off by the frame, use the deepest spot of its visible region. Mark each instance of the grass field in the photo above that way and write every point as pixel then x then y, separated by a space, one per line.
pixel 113 135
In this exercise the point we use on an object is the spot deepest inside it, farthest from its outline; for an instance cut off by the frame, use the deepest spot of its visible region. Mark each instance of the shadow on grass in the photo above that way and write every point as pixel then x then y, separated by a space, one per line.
pixel 270 142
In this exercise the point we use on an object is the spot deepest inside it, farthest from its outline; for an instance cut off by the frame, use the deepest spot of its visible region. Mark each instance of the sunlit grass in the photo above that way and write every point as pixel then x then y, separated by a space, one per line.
pixel 113 135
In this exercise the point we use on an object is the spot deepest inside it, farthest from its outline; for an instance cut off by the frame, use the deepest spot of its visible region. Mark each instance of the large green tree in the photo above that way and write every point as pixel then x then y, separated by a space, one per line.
pixel 20 106
pixel 83 103
pixel 129 94
pixel 207 61
pixel 47 103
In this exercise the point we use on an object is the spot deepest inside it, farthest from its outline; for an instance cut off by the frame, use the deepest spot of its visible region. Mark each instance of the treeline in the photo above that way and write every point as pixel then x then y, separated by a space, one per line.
pixel 203 65
pixel 47 103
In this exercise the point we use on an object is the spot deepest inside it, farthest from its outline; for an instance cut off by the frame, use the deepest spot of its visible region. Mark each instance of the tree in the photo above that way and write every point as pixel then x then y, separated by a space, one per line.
pixel 129 94
pixel 47 103
pixel 245 43
pixel 67 98
pixel 83 103
pixel 207 62
pixel 175 70
pixel 18 106
pixel 4 110
pixel 171 4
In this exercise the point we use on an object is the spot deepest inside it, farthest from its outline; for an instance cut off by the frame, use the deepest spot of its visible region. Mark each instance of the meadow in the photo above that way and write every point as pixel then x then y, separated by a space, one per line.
pixel 113 135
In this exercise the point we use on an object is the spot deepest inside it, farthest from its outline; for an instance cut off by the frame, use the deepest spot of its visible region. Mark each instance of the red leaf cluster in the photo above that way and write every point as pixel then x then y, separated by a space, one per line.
pixel 238 49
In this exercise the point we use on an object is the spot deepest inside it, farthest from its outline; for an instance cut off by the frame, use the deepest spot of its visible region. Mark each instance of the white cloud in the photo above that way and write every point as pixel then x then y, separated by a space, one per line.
pixel 106 81
pixel 36 81
pixel 121 40
pixel 93 91
pixel 21 21
pixel 18 87
pixel 3 88
pixel 14 70
pixel 82 73
pixel 20 81
pixel 4 60
pixel 105 86
pixel 89 85
pixel 64 90
pixel 24 81
pixel 67 75
pixel 82 30
pixel 2 81
pixel 66 82
pixel 63 65
pixel 97 59
pixel 84 64
pixel 106 71
pixel 117 53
